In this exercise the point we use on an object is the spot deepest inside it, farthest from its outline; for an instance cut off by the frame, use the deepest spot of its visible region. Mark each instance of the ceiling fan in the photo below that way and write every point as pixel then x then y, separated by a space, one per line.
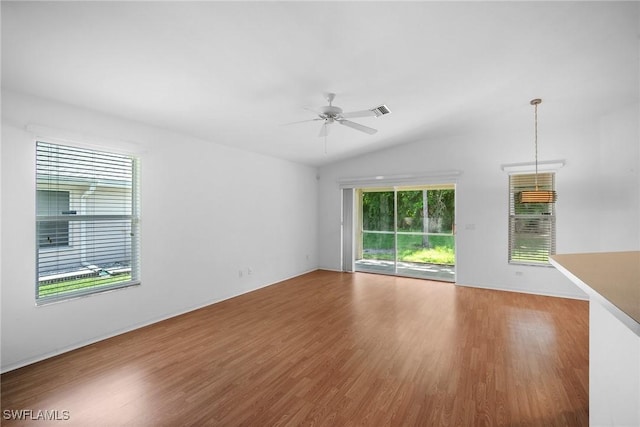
pixel 330 114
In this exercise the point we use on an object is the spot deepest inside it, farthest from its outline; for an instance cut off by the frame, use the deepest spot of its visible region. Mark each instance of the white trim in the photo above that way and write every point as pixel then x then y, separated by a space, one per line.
pixel 433 177
pixel 444 179
pixel 80 140
pixel 335 270
pixel 528 167
pixel 348 232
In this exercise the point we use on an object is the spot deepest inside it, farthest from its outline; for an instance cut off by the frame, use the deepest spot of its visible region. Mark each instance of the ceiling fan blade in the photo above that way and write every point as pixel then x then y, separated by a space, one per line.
pixel 355 114
pixel 357 126
pixel 301 121
pixel 324 130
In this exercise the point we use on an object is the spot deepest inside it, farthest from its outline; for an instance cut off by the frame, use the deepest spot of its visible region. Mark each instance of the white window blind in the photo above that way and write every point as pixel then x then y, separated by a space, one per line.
pixel 87 219
pixel 532 226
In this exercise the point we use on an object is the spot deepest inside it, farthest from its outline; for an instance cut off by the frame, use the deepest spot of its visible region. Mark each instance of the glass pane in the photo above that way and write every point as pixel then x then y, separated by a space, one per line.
pixel 100 254
pixel 531 239
pixel 377 246
pixel 52 234
pixel 423 213
pixel 411 210
pixel 377 241
pixel 519 183
pixel 377 211
pixel 377 225
pixel 441 208
pixel 50 202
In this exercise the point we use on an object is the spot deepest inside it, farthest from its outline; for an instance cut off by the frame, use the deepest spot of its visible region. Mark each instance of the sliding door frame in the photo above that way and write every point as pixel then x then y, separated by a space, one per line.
pixel 348 187
pixel 348 230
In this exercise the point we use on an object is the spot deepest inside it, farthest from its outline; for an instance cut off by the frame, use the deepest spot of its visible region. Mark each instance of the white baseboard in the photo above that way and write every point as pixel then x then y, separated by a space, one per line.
pixel 524 291
pixel 93 340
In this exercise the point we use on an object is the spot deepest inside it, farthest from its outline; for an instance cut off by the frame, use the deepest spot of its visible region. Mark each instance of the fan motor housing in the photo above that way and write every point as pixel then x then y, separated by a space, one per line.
pixel 331 111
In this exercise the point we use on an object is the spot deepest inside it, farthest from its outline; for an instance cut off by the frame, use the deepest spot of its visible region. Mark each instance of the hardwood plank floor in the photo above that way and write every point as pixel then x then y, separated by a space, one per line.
pixel 329 349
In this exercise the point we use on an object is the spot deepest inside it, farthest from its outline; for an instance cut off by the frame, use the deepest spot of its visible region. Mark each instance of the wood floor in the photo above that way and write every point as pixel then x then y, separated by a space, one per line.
pixel 330 349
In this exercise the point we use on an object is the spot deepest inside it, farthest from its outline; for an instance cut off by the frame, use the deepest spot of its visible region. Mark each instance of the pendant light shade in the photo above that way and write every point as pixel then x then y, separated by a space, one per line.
pixel 537 195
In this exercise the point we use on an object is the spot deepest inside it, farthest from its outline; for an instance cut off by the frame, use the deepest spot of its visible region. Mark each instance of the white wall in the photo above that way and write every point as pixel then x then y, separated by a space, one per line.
pixel 208 211
pixel 614 370
pixel 598 206
pixel 597 209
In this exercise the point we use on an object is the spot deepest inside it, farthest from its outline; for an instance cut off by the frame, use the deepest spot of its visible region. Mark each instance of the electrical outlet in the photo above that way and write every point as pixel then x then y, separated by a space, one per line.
pixel 519 273
pixel 240 273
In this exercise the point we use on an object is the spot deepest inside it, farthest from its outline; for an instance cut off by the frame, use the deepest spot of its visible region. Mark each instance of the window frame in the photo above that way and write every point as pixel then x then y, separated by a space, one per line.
pixel 545 219
pixel 113 220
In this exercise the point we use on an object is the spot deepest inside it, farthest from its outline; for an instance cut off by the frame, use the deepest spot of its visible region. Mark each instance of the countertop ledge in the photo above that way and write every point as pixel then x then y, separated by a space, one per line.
pixel 610 278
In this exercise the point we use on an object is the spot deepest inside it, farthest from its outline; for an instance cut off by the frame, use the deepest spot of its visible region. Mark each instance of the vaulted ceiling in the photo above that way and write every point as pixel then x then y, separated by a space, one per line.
pixel 236 72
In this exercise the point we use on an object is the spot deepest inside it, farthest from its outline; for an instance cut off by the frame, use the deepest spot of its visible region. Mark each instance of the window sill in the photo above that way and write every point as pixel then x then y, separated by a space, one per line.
pixel 44 301
pixel 530 263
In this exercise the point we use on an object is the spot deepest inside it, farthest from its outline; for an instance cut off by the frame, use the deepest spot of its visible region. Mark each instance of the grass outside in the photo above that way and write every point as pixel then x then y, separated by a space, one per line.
pixel 437 255
pixel 78 284
pixel 411 248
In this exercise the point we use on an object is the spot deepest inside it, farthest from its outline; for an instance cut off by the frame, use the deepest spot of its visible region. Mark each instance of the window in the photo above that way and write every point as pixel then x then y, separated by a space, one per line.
pixel 532 226
pixel 86 221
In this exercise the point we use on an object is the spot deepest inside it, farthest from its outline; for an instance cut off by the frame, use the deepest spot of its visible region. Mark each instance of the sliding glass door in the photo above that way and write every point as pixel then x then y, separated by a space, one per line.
pixel 407 231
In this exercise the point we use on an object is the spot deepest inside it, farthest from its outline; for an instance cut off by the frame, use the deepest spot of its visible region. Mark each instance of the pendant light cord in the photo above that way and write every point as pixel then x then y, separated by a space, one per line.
pixel 535 103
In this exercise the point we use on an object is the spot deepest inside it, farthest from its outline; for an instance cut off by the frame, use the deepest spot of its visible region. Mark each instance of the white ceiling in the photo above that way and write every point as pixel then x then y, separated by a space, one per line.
pixel 235 72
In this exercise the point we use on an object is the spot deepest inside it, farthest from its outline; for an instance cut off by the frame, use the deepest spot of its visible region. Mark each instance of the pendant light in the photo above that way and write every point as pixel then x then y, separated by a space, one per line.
pixel 537 195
